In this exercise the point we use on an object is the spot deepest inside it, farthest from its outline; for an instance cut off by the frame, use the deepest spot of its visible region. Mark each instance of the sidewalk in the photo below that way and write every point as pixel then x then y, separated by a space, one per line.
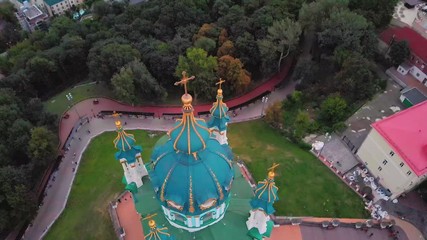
pixel 57 191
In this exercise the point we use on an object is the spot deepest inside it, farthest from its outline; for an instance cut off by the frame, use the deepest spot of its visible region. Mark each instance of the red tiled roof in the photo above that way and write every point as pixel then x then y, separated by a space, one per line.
pixel 417 43
pixel 406 132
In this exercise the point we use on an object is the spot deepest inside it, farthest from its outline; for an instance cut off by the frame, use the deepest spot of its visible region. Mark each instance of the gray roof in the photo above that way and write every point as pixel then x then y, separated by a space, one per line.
pixel 414 95
pixel 32 12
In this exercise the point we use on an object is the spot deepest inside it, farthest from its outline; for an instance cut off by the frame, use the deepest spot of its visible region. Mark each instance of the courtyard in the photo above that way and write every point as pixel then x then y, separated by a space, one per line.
pixel 306 186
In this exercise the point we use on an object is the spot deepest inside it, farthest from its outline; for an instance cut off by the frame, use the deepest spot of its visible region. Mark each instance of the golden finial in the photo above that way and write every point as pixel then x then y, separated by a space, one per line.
pixel 220 82
pixel 151 222
pixel 117 122
pixel 184 81
pixel 271 172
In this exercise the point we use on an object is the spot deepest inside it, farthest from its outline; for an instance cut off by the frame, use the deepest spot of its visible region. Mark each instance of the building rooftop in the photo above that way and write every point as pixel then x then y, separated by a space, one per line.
pixel 32 12
pixel 53 2
pixel 414 95
pixel 416 42
pixel 406 132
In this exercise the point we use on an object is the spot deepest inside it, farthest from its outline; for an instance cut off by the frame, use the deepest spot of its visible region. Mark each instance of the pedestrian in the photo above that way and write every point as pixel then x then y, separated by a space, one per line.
pixel 74 154
pixel 80 139
pixel 126 123
pixel 370 235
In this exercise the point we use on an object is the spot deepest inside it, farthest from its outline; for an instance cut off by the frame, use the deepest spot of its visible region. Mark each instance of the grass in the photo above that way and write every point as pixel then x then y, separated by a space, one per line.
pixel 59 103
pixel 306 186
pixel 98 181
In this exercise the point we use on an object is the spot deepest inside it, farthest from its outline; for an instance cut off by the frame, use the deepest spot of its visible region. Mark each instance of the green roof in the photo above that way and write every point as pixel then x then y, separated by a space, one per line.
pixel 232 226
pixel 52 2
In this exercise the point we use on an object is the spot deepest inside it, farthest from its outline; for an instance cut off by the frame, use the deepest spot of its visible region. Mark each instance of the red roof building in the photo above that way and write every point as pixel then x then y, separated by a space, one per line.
pixel 395 150
pixel 406 132
pixel 417 66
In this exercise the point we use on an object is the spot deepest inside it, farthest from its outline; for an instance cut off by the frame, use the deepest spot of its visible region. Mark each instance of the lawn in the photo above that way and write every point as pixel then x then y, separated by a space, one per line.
pixel 306 186
pixel 98 182
pixel 59 103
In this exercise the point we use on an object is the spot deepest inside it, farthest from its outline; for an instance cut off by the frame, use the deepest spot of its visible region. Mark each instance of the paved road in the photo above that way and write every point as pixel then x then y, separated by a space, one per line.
pixel 58 190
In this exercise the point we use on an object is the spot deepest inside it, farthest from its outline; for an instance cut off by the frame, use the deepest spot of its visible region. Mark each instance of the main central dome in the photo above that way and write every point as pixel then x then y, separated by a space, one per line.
pixel 192 173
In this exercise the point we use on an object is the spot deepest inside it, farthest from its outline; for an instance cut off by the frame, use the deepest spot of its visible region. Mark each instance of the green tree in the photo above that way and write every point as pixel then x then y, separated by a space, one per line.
pixel 123 86
pixel 42 74
pixel 206 44
pixel 105 59
pixel 399 52
pixel 231 69
pixel 357 79
pixel 282 38
pixel 42 146
pixel 333 110
pixel 312 15
pixel 377 11
pixel 198 63
pixel 346 30
pixel 247 51
pixel 302 124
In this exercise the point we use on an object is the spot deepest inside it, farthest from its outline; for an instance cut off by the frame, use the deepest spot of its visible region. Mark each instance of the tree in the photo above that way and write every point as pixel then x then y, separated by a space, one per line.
pixel 42 146
pixel 105 59
pixel 223 36
pixel 247 51
pixel 274 114
pixel 378 12
pixel 135 81
pixel 42 74
pixel 399 52
pixel 357 79
pixel 346 30
pixel 333 110
pixel 207 30
pixel 198 63
pixel 227 48
pixel 206 44
pixel 123 86
pixel 302 124
pixel 312 15
pixel 231 69
pixel 282 38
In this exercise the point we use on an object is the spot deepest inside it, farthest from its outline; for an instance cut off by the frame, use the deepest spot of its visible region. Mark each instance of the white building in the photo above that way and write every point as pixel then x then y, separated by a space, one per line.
pixel 59 7
pixel 395 150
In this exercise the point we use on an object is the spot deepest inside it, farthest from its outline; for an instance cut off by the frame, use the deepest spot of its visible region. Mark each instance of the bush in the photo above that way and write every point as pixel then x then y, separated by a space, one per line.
pixel 382 84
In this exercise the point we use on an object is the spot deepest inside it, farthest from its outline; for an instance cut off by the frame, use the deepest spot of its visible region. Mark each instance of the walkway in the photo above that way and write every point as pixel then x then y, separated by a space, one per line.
pixel 58 191
pixel 89 109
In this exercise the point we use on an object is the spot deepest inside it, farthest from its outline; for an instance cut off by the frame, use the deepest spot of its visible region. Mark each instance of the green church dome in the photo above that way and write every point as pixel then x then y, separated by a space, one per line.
pixel 191 172
pixel 218 111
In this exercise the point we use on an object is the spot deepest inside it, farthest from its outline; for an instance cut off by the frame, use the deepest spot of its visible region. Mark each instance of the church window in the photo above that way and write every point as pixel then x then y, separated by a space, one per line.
pixel 380 168
pixel 401 164
pixel 391 153
pixel 384 162
pixel 409 173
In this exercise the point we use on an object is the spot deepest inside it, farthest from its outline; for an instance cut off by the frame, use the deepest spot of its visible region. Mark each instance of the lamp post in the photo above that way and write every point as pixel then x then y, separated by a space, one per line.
pixel 264 101
pixel 70 99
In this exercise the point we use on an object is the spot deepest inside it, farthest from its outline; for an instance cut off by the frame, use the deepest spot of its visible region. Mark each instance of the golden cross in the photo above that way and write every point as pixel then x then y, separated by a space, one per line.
pixel 275 165
pixel 220 82
pixel 149 216
pixel 184 80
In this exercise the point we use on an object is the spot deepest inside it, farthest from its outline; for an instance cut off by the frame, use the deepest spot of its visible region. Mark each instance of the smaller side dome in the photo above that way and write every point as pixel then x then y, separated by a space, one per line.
pixel 266 193
pixel 219 111
pixel 125 143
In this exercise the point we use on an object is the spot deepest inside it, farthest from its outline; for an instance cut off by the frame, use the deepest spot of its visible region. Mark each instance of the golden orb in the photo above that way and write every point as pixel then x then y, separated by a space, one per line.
pixel 118 124
pixel 219 92
pixel 271 175
pixel 152 224
pixel 186 99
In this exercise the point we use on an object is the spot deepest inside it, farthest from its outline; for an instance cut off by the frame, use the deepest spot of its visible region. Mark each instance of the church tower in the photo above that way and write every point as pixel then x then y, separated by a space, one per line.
pixel 192 172
pixel 129 155
pixel 259 223
pixel 219 118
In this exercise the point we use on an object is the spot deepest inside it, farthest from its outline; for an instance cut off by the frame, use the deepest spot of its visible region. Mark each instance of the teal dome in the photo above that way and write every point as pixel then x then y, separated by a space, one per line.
pixel 189 134
pixel 125 143
pixel 191 172
pixel 265 195
pixel 218 111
